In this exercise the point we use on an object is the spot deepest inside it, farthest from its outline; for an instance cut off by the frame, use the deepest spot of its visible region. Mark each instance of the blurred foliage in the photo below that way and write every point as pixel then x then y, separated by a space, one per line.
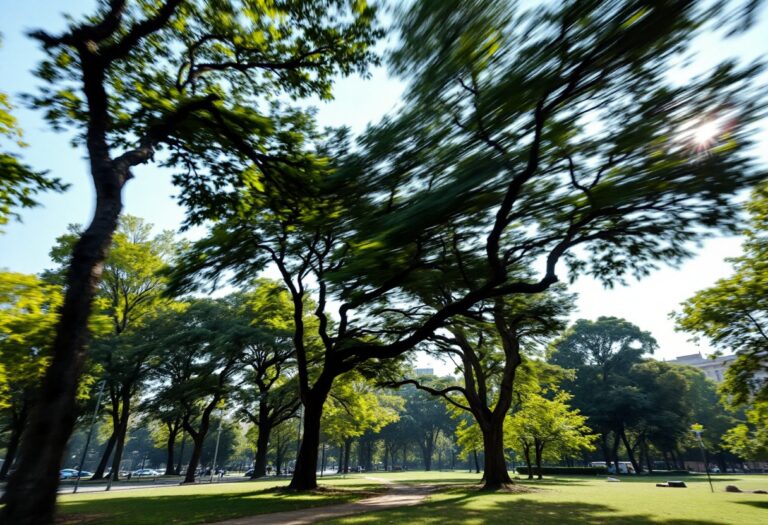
pixel 19 183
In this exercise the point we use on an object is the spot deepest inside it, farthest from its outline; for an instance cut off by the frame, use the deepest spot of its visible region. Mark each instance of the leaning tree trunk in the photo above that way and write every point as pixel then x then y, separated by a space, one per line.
pixel 495 471
pixel 197 451
pixel 10 452
pixel 630 453
pixel 31 491
pixel 198 438
pixel 305 473
pixel 102 466
pixel 122 433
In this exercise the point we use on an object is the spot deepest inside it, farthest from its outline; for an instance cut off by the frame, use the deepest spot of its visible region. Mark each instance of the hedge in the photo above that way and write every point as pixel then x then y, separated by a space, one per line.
pixel 566 471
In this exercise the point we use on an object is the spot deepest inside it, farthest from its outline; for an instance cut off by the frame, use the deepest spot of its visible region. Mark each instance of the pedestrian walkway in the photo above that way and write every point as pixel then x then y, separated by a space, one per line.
pixel 396 496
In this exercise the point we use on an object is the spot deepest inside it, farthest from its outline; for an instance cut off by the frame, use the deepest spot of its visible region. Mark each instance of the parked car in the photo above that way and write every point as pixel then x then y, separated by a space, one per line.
pixel 71 473
pixel 146 472
pixel 248 473
pixel 67 473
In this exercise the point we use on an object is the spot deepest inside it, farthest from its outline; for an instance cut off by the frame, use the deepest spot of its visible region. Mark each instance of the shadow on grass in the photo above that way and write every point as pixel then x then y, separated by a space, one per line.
pixel 462 509
pixel 758 504
pixel 190 509
pixel 556 481
pixel 436 481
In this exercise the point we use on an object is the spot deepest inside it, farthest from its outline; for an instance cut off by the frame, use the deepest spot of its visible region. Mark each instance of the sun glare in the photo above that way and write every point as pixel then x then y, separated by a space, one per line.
pixel 706 133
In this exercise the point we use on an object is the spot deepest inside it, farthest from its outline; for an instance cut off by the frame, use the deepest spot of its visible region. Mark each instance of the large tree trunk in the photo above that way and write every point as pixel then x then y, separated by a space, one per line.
pixel 198 438
pixel 102 466
pixel 171 445
pixel 606 449
pixel 340 465
pixel 262 445
pixel 347 452
pixel 194 461
pixel 305 473
pixel 630 453
pixel 527 454
pixel 368 455
pixel 122 433
pixel 181 453
pixel 10 450
pixel 427 449
pixel 31 491
pixel 648 458
pixel 615 453
pixel 539 451
pixel 495 471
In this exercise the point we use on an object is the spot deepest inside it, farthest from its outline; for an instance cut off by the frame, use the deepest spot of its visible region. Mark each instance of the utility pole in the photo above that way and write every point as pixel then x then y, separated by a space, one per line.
pixel 90 434
pixel 697 429
pixel 218 437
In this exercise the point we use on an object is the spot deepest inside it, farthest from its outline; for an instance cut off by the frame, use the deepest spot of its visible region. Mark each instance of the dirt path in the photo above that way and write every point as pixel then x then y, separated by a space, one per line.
pixel 396 496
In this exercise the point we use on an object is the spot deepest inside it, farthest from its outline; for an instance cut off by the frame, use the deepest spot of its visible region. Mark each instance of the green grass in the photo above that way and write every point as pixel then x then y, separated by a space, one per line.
pixel 571 501
pixel 205 503
pixel 560 501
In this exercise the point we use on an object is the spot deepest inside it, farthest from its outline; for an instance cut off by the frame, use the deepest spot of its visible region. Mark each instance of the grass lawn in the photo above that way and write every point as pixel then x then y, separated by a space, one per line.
pixel 560 501
pixel 205 503
pixel 565 501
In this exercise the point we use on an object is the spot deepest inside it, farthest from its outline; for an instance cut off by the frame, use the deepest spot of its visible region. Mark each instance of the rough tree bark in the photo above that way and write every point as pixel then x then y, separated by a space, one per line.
pixel 305 474
pixel 173 432
pixel 31 492
pixel 495 471
pixel 262 445
pixel 18 419
pixel 102 466
pixel 198 437
pixel 121 434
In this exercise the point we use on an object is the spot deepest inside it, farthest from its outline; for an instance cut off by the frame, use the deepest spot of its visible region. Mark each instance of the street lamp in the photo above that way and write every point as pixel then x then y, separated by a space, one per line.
pixel 698 429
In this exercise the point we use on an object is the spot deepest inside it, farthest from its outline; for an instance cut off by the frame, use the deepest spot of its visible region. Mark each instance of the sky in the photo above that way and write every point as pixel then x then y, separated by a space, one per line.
pixel 24 246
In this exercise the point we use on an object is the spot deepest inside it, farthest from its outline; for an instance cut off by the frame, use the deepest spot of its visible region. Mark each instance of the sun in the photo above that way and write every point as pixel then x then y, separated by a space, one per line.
pixel 706 133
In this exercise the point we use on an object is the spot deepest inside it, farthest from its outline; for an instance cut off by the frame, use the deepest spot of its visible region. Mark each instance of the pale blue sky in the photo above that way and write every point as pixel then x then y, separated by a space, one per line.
pixel 24 246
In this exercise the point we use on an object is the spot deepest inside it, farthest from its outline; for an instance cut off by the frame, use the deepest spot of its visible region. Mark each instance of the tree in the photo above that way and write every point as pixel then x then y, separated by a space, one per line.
pixel 548 428
pixel 27 320
pixel 129 292
pixel 195 356
pixel 354 408
pixel 602 353
pixel 733 313
pixel 425 417
pixel 164 410
pixel 269 395
pixel 487 351
pixel 749 439
pixel 490 160
pixel 105 80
